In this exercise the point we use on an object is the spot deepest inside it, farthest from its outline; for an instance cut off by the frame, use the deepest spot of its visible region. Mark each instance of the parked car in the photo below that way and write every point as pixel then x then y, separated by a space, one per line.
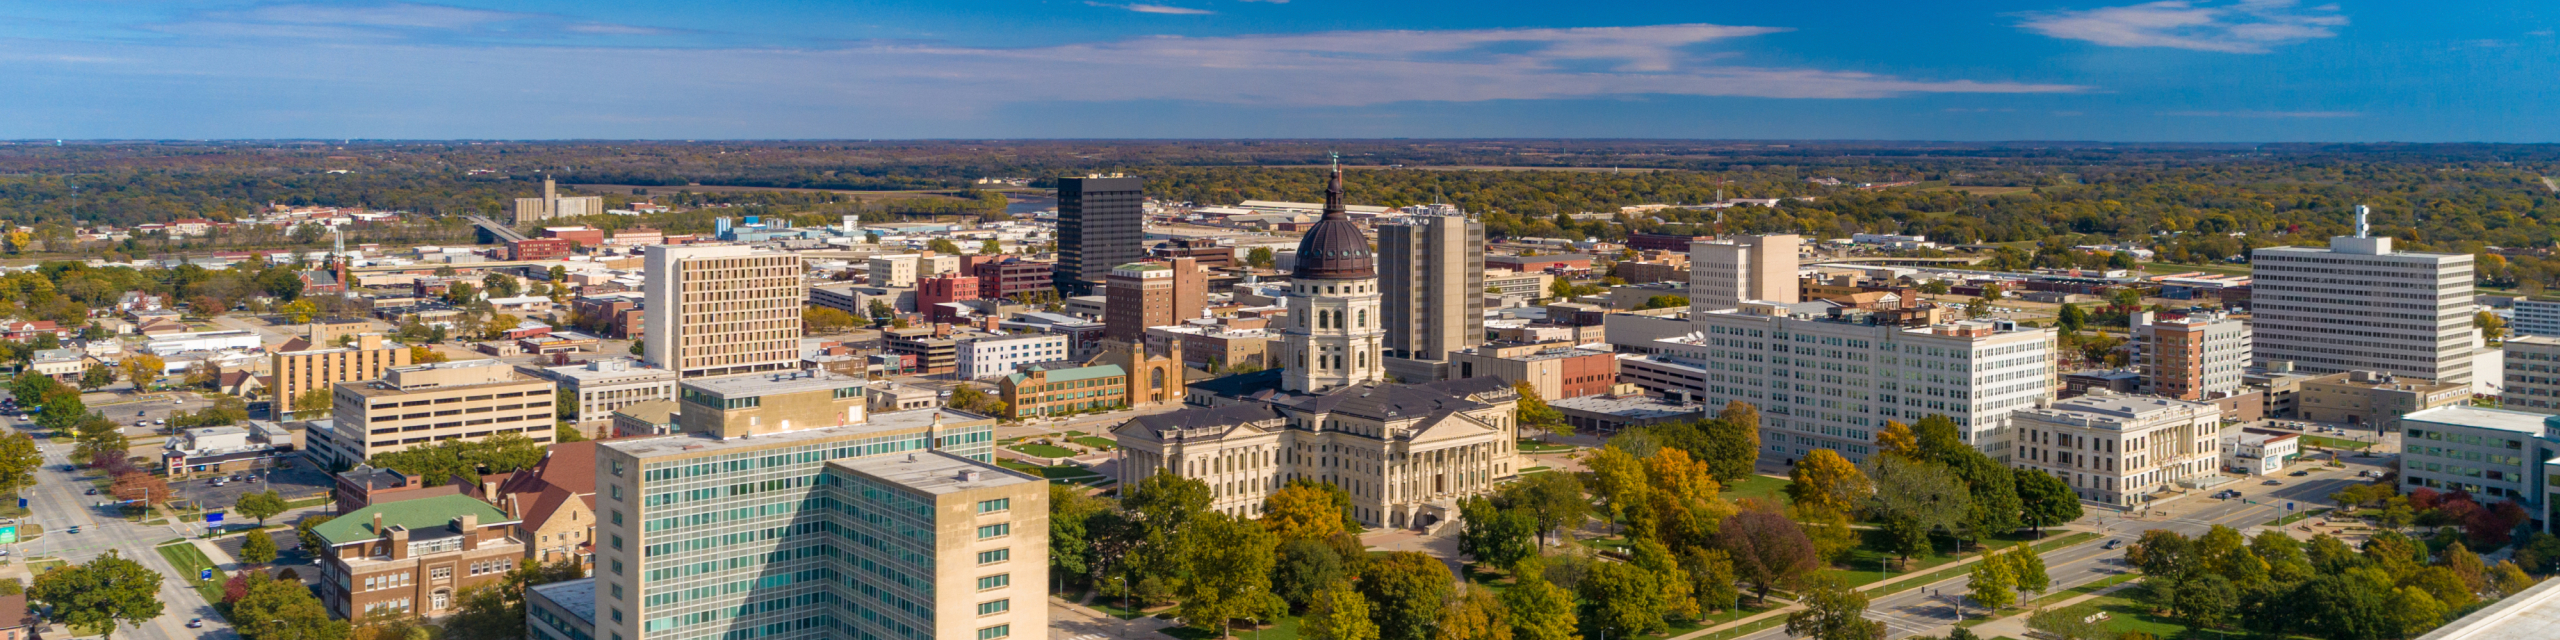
pixel 92 491
pixel 2299 473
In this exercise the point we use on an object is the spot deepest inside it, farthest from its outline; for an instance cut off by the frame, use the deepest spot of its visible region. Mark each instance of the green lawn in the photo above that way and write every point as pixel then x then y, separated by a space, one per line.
pixel 1286 629
pixel 1859 568
pixel 1097 443
pixel 2335 443
pixel 38 567
pixel 2123 615
pixel 2297 516
pixel 191 562
pixel 2051 598
pixel 313 501
pixel 1533 446
pixel 1759 486
pixel 1043 450
pixel 1064 473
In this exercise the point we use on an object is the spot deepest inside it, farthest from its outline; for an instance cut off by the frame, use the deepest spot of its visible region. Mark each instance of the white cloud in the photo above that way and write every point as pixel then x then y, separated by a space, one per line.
pixel 1155 8
pixel 2262 114
pixel 404 87
pixel 2242 26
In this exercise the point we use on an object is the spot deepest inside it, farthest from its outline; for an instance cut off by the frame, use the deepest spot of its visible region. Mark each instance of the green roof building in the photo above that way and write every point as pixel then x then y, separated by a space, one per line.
pixel 411 556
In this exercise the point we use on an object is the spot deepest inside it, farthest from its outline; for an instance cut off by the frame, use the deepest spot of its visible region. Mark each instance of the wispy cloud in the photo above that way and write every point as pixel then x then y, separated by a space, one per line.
pixel 2242 26
pixel 382 21
pixel 1155 8
pixel 2262 114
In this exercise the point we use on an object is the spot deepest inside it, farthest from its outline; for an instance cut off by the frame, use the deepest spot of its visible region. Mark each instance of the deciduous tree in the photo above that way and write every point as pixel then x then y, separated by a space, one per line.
pixel 1625 600
pixel 257 548
pixel 1474 615
pixel 1494 536
pixel 1540 610
pixel 1618 479
pixel 1824 480
pixel 1405 589
pixel 1554 500
pixel 1992 585
pixel 102 593
pixel 1912 499
pixel 2046 499
pixel 1303 569
pixel 1833 611
pixel 1338 614
pixel 1302 512
pixel 1533 413
pixel 1768 550
pixel 1734 441
pixel 261 505
pixel 272 609
pixel 1897 439
pixel 1229 561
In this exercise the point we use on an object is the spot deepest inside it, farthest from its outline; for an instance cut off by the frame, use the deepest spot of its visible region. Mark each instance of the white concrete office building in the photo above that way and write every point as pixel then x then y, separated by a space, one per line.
pixel 1832 381
pixel 2115 450
pixel 2535 318
pixel 2360 306
pixel 1724 273
pixel 2532 375
pixel 996 356
pixel 2493 454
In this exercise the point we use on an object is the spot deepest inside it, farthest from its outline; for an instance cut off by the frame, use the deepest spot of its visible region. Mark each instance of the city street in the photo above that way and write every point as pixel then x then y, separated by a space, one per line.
pixel 57 504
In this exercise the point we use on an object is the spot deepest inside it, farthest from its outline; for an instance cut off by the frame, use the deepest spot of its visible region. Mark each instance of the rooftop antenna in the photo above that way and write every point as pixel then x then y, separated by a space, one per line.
pixel 2363 229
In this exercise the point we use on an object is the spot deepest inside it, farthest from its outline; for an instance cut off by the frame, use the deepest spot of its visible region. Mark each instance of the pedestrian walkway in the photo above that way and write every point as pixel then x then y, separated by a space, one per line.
pixel 1896 585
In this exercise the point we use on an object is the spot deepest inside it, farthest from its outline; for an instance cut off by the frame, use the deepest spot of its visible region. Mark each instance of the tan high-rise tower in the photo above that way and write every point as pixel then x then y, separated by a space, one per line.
pixel 723 310
pixel 1724 273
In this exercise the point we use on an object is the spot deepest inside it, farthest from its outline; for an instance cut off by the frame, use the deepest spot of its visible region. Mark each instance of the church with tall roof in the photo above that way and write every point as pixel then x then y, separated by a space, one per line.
pixel 1406 453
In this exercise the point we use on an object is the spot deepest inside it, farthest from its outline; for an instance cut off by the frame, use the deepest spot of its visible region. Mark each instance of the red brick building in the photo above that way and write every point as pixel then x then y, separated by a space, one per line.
pixel 540 249
pixel 932 292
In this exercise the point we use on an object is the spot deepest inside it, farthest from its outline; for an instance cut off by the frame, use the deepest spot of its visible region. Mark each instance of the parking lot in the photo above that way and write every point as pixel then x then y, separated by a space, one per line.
pixel 156 407
pixel 299 480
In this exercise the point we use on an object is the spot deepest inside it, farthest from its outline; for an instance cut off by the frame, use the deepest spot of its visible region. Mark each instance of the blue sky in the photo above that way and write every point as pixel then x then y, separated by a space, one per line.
pixel 2251 70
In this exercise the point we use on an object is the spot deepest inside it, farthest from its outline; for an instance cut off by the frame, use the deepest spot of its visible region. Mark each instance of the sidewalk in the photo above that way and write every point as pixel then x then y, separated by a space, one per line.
pixel 2016 626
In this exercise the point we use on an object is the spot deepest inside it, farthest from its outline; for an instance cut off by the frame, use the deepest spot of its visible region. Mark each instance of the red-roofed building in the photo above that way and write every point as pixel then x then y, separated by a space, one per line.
pixel 932 292
pixel 24 331
pixel 555 503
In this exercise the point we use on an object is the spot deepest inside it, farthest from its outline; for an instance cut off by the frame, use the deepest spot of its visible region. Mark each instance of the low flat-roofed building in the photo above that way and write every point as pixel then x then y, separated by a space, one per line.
pixel 604 385
pixel 2259 453
pixel 654 417
pixel 564 610
pixel 2368 398
pixel 1606 414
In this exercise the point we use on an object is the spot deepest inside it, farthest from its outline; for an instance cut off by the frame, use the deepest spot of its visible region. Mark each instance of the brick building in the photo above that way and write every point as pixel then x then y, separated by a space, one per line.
pixel 412 557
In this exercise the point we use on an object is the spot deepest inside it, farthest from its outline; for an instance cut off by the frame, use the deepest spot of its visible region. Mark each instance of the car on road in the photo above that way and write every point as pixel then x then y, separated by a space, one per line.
pixel 2272 481
pixel 2299 473
pixel 92 491
pixel 2111 544
pixel 195 623
pixel 75 528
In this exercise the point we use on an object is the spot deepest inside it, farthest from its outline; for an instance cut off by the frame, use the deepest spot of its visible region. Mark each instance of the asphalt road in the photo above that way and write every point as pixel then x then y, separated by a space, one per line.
pixel 1915 612
pixel 57 504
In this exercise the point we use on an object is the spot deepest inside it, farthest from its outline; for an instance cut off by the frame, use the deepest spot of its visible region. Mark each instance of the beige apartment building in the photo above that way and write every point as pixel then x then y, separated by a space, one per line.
pixel 723 310
pixel 298 367
pixel 420 405
pixel 2117 450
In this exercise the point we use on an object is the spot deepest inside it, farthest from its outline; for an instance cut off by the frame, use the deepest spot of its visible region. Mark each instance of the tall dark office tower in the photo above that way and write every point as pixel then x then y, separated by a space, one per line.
pixel 1101 225
pixel 1431 268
